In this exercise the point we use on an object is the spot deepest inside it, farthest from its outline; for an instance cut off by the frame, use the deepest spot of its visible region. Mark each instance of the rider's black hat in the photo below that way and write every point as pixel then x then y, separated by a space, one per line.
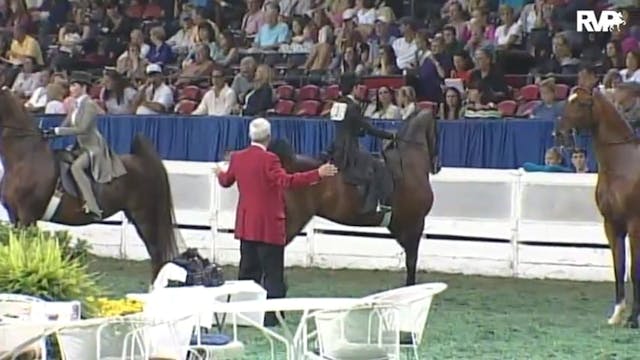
pixel 81 77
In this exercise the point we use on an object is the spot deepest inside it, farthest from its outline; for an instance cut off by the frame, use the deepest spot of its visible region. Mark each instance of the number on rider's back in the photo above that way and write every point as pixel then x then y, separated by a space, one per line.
pixel 338 111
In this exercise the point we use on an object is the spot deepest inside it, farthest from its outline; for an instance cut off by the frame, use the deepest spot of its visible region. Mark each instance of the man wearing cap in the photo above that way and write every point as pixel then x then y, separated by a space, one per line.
pixel 220 100
pixel 627 99
pixel 260 215
pixel 95 154
pixel 155 97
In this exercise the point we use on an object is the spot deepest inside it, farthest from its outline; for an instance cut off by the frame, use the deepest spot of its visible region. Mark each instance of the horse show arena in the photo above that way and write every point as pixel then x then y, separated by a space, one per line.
pixel 492 231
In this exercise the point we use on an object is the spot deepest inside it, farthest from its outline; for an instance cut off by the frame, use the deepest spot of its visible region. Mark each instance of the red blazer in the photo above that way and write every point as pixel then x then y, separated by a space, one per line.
pixel 261 179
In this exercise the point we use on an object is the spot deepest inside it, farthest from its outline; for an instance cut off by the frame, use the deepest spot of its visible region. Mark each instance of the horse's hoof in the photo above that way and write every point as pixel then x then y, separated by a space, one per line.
pixel 632 323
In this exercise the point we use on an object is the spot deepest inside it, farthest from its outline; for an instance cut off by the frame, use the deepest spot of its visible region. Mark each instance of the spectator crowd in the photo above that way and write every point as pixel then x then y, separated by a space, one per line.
pixel 462 59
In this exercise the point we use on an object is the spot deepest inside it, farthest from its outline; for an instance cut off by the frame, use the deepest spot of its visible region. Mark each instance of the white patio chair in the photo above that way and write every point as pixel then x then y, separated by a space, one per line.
pixel 19 337
pixel 414 303
pixel 365 332
pixel 20 308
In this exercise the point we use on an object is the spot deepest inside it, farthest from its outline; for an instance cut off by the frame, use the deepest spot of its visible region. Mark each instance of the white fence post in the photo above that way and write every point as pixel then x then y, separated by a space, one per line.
pixel 123 235
pixel 516 213
pixel 214 209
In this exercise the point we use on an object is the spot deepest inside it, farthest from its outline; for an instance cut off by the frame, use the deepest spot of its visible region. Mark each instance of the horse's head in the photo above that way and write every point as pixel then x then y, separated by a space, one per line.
pixel 588 110
pixel 13 115
pixel 420 132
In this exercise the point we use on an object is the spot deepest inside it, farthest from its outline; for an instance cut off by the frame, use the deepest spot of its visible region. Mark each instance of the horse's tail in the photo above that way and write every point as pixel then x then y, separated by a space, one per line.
pixel 160 218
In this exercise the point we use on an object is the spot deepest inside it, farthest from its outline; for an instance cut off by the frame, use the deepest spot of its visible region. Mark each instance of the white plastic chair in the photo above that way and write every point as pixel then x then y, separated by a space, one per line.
pixel 414 303
pixel 370 331
pixel 16 308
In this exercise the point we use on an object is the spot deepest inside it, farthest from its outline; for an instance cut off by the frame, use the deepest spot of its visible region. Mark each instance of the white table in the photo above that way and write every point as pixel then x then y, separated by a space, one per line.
pixel 304 305
pixel 230 291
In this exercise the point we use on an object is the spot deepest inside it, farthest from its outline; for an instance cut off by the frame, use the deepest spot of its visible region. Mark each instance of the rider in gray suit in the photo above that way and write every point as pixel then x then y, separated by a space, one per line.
pixel 95 153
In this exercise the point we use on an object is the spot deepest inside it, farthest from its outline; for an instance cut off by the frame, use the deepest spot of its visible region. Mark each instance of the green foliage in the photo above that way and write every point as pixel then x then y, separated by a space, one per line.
pixel 35 264
pixel 78 250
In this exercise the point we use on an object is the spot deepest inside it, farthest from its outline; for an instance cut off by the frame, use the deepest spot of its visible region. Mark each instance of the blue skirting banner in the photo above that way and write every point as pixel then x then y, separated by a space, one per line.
pixel 501 144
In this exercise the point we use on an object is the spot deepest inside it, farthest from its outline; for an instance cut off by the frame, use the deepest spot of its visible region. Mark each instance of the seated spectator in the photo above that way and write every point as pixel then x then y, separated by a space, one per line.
pixel 562 62
pixel 479 21
pixel 116 27
pixel 552 163
pixel 154 97
pixel 132 66
pixel 535 16
pixel 476 42
pixel 320 57
pixel 613 57
pixel 549 108
pixel 273 32
pixel 456 19
pixel 253 19
pixel 627 100
pixel 70 47
pixel 220 100
pixel 27 80
pixel 451 108
pixel 23 46
pixel 405 48
pixel 200 18
pixel 159 51
pixel 137 38
pixel 116 95
pixel 479 104
pixel 260 99
pixel 488 76
pixel 451 44
pixel 385 64
pixel 507 35
pixel 461 69
pixel 183 39
pixel 38 99
pixel 243 81
pixel 336 12
pixel 55 95
pixel 384 107
pixel 430 72
pixel 206 38
pixel 406 100
pixel 348 35
pixel 197 71
pixel 349 61
pixel 381 36
pixel 443 58
pixel 610 82
pixel 632 70
pixel 228 51
pixel 579 161
pixel 366 15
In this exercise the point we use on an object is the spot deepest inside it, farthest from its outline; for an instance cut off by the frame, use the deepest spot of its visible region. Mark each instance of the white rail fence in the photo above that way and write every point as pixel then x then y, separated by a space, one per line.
pixel 486 222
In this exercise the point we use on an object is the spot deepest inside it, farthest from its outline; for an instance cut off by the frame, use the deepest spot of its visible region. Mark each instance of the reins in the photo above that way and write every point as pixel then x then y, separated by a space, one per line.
pixel 26 132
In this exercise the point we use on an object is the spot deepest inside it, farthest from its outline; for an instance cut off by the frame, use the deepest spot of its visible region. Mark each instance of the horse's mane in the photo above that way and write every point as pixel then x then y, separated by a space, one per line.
pixel 288 157
pixel 13 111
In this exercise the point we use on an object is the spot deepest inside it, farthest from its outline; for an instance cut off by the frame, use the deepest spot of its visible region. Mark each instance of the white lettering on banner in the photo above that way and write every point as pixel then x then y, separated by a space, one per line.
pixel 586 20
pixel 531 219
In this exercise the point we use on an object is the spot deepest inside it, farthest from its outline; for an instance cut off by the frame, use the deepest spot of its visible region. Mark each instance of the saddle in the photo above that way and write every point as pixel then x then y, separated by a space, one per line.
pixel 66 183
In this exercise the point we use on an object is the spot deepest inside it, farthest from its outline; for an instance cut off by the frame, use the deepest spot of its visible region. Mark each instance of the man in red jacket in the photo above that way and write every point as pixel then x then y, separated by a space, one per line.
pixel 260 215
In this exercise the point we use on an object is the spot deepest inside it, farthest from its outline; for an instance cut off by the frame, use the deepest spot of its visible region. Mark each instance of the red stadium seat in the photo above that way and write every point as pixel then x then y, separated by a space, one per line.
pixel 530 92
pixel 285 92
pixel 428 105
pixel 508 108
pixel 309 108
pixel 186 106
pixel 190 92
pixel 516 81
pixel 562 91
pixel 332 92
pixel 392 82
pixel 309 92
pixel 284 107
pixel 525 109
pixel 153 11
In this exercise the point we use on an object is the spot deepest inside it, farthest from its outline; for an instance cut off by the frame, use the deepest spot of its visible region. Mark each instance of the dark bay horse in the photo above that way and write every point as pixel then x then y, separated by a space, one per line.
pixel 618 188
pixel 410 161
pixel 31 176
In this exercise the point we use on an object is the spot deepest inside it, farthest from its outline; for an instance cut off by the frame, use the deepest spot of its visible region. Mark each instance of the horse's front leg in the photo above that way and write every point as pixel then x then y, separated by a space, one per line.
pixel 616 234
pixel 634 241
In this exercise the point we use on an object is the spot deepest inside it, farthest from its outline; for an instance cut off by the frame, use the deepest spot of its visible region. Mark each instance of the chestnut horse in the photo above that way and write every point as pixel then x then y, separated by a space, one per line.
pixel 410 161
pixel 30 188
pixel 618 189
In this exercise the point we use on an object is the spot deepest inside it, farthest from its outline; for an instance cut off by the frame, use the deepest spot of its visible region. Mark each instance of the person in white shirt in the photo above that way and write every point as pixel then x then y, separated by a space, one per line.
pixel 632 72
pixel 220 100
pixel 406 47
pixel 38 100
pixel 27 80
pixel 137 37
pixel 155 97
pixel 55 95
pixel 509 33
pixel 182 40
